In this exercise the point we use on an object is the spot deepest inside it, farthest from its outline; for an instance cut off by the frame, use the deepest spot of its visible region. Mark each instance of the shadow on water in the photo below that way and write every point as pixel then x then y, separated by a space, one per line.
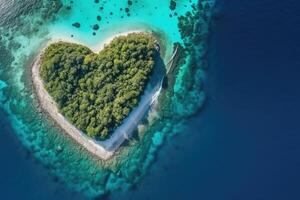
pixel 159 71
pixel 157 76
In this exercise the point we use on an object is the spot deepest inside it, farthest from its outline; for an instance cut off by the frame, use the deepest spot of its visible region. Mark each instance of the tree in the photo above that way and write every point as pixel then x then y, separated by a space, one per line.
pixel 96 92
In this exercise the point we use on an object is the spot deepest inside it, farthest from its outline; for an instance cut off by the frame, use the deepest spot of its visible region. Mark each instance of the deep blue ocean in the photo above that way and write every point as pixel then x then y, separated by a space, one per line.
pixel 243 145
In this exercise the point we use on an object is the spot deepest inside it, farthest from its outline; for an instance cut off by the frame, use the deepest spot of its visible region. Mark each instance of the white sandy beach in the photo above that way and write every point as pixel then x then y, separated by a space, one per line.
pixel 102 149
pixel 97 47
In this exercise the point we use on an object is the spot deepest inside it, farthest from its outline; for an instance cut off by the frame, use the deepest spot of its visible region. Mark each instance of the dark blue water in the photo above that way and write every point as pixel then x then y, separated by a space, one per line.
pixel 21 176
pixel 244 145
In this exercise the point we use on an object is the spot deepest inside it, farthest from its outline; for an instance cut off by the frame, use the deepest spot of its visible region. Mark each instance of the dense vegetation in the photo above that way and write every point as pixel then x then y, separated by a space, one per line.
pixel 96 92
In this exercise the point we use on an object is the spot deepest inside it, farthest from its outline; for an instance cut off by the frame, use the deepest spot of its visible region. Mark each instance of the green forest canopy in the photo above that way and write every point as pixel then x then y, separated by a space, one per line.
pixel 96 92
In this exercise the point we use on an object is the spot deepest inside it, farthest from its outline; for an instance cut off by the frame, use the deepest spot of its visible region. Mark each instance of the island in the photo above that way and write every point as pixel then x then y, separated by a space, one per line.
pixel 97 98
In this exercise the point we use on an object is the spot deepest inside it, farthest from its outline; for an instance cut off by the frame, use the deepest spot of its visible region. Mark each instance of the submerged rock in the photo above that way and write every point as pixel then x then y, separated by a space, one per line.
pixel 76 24
pixel 172 5
pixel 59 149
pixel 96 27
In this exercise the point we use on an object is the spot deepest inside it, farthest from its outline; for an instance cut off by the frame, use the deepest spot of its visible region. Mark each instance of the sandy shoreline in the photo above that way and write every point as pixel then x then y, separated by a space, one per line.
pixel 98 46
pixel 102 149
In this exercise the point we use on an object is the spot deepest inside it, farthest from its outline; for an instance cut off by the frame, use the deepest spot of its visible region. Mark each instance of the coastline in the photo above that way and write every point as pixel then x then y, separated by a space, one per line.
pixel 102 149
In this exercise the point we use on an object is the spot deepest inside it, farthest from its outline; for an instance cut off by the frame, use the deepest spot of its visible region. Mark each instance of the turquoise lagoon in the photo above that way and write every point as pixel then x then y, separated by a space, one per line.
pixel 23 35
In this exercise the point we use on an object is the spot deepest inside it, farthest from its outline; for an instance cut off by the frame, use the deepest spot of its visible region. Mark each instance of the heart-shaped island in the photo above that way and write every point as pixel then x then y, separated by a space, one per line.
pixel 91 94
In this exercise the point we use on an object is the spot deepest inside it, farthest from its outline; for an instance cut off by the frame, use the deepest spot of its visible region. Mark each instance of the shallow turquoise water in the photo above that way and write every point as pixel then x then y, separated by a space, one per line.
pixel 21 41
pixel 148 15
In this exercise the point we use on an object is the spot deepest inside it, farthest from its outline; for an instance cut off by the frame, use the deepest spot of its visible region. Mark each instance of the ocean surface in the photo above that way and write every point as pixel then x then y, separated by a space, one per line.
pixel 243 143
